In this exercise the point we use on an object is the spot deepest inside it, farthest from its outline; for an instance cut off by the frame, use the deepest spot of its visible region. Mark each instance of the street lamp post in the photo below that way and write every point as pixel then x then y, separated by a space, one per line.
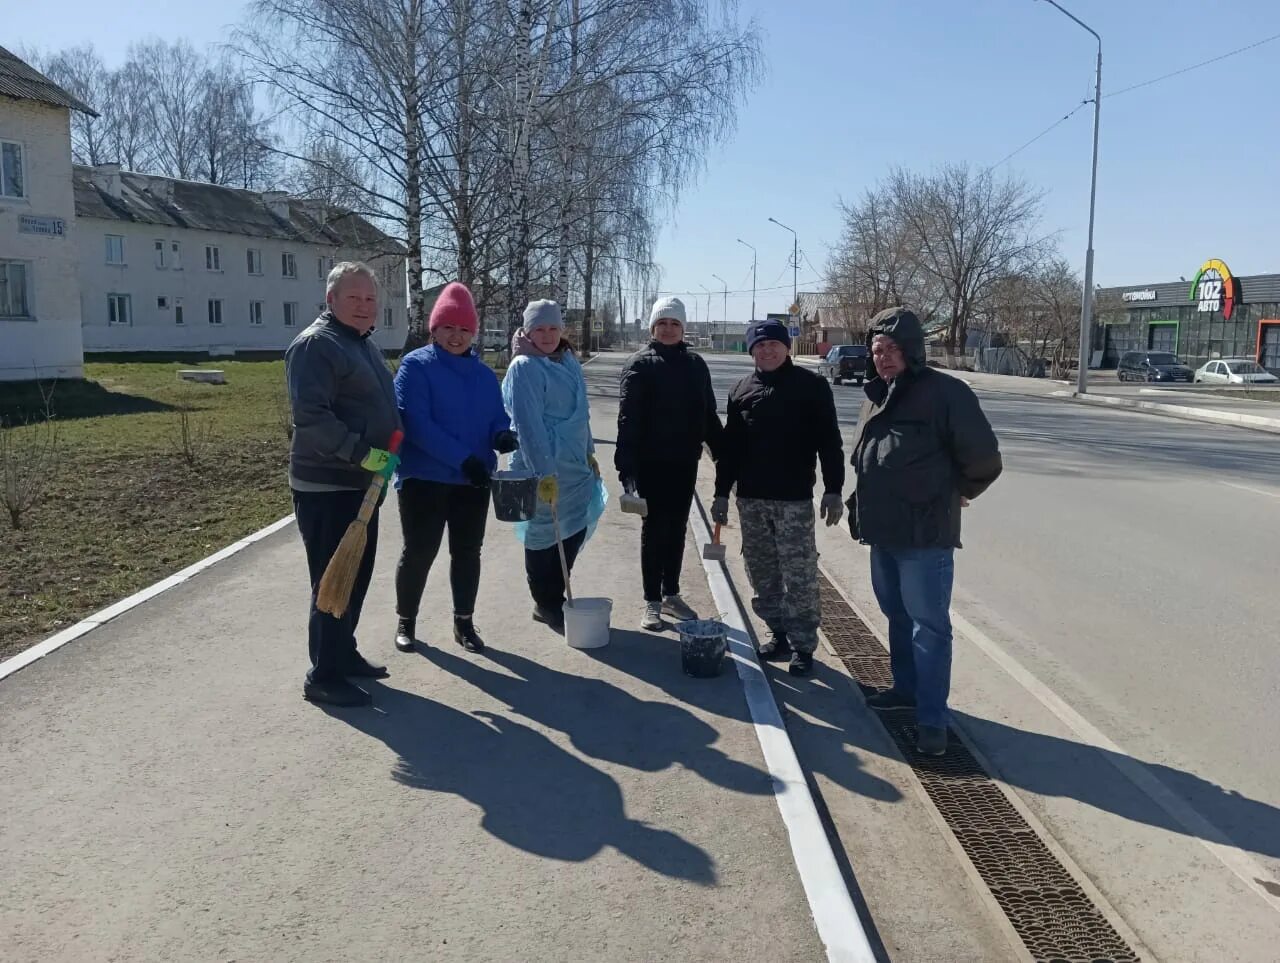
pixel 708 290
pixel 724 319
pixel 795 260
pixel 753 279
pixel 1086 300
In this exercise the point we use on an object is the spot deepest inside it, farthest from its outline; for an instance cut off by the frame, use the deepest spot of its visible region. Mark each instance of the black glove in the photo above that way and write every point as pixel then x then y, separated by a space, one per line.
pixel 476 472
pixel 628 484
pixel 505 442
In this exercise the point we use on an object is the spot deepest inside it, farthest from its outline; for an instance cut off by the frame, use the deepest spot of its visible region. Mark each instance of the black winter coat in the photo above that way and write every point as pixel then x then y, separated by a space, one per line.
pixel 667 409
pixel 778 426
pixel 923 442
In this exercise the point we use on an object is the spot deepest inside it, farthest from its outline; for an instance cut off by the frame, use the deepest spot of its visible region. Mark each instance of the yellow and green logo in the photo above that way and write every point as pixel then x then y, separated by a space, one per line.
pixel 1214 288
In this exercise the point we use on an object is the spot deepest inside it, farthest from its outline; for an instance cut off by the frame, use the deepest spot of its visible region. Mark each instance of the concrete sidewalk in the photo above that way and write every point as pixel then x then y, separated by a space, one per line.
pixel 169 795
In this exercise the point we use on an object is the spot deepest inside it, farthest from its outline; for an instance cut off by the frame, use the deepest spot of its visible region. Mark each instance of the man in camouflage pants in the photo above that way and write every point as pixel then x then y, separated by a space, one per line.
pixel 781 421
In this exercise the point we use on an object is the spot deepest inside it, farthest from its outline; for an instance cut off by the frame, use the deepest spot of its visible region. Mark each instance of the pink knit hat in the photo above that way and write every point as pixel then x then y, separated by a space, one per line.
pixel 455 307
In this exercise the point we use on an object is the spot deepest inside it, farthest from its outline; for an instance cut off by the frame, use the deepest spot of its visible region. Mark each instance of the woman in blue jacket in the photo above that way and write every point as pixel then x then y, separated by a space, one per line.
pixel 454 421
pixel 546 397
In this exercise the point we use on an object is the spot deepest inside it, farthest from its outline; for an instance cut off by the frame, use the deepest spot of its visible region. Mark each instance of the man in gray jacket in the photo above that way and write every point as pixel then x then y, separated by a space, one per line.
pixel 344 413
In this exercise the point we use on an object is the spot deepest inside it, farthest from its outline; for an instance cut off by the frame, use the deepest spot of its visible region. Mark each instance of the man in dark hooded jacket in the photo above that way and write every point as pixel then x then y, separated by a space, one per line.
pixel 923 449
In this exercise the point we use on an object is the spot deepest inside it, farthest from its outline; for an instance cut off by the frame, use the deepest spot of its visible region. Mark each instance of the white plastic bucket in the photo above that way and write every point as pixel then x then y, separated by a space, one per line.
pixel 586 623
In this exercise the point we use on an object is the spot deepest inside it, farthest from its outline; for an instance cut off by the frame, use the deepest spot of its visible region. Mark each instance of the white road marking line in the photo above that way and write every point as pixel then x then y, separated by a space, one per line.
pixel 1248 488
pixel 832 907
pixel 55 642
pixel 1197 826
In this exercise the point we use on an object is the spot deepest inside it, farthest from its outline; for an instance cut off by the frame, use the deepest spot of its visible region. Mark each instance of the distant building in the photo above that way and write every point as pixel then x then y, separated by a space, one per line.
pixel 180 267
pixel 39 285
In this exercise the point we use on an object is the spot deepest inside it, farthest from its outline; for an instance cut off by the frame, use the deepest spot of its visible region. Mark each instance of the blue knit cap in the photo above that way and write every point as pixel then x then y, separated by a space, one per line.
pixel 767 331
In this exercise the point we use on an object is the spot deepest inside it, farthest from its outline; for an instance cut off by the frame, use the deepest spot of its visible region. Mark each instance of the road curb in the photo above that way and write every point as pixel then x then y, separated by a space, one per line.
pixel 38 651
pixel 1212 416
pixel 834 915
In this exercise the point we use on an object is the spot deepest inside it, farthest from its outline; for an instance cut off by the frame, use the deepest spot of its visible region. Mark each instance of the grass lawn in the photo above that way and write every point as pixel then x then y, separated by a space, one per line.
pixel 125 507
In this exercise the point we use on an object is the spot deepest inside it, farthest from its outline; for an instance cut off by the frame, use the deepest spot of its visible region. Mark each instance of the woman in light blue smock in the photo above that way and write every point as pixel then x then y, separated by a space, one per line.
pixel 546 397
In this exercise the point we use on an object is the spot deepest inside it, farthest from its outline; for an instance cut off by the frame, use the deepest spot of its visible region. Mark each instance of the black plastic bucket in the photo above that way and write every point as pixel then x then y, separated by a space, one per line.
pixel 702 647
pixel 515 495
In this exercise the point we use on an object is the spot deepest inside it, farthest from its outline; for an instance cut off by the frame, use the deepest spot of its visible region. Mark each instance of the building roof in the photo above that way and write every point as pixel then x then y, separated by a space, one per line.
pixel 169 202
pixel 21 81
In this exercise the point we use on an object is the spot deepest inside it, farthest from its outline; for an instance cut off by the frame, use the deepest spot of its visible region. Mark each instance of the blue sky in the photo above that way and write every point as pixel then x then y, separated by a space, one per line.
pixel 1187 170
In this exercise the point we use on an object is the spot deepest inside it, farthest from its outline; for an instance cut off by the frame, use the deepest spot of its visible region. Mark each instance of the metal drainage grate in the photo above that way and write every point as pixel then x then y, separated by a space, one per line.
pixel 1048 909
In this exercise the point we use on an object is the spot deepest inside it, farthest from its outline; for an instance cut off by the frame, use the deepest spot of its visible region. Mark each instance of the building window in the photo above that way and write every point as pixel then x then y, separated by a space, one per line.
pixel 215 310
pixel 176 250
pixel 255 312
pixel 118 309
pixel 177 312
pixel 12 182
pixel 320 271
pixel 288 266
pixel 290 314
pixel 162 303
pixel 115 249
pixel 14 302
pixel 160 246
pixel 255 261
pixel 388 318
pixel 212 258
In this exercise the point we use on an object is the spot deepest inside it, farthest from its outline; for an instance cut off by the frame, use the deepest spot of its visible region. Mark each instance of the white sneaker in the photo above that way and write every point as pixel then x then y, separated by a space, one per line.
pixel 652 620
pixel 678 609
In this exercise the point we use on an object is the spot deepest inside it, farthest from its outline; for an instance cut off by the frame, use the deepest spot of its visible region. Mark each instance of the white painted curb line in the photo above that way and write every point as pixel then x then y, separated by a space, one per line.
pixel 1256 422
pixel 55 642
pixel 829 901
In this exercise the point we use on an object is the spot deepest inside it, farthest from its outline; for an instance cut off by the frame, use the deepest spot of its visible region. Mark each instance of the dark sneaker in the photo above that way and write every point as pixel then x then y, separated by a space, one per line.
pixel 405 631
pixel 464 633
pixel 931 741
pixel 887 699
pixel 777 648
pixel 548 617
pixel 801 663
pixel 335 692
pixel 361 668
pixel 678 609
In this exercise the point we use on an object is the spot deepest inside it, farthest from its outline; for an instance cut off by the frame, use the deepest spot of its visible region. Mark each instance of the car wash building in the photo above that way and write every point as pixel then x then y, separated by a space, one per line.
pixel 1209 314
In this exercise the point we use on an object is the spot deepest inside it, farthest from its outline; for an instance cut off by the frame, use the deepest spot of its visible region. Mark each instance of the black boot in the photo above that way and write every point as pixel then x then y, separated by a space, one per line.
pixel 777 648
pixel 404 635
pixel 464 633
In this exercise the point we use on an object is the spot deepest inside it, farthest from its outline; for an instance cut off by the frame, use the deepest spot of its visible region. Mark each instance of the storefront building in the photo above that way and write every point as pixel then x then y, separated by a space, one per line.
pixel 1212 314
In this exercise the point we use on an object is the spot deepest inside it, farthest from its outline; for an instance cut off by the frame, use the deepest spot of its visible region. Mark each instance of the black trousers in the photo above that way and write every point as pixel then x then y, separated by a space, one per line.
pixel 668 488
pixel 542 566
pixel 322 519
pixel 427 508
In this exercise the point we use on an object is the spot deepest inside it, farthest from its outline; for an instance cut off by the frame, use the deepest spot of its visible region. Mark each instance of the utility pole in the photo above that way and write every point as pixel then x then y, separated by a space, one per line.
pixel 724 319
pixel 1086 300
pixel 753 279
pixel 708 290
pixel 795 259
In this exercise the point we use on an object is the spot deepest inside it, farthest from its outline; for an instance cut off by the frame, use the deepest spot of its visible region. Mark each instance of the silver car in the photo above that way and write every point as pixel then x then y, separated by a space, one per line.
pixel 1234 371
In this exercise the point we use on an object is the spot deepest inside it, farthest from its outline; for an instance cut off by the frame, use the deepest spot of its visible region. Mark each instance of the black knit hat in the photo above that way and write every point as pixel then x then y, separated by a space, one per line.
pixel 767 331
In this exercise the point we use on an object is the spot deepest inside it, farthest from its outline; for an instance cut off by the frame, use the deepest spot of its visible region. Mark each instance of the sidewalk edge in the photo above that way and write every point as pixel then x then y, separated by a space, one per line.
pixel 832 907
pixel 1210 415
pixel 54 642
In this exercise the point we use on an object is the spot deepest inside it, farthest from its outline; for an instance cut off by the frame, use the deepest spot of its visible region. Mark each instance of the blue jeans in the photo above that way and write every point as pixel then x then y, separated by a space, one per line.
pixel 913 587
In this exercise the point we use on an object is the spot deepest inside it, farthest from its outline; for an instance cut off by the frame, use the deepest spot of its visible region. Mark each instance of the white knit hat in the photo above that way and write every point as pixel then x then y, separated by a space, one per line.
pixel 539 313
pixel 667 308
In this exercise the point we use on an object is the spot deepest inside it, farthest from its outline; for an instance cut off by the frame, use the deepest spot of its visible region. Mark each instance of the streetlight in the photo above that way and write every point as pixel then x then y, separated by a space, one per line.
pixel 753 278
pixel 1086 300
pixel 795 261
pixel 708 290
pixel 724 320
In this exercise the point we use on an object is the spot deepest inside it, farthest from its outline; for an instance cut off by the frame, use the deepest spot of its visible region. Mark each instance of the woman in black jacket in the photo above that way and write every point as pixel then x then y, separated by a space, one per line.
pixel 667 413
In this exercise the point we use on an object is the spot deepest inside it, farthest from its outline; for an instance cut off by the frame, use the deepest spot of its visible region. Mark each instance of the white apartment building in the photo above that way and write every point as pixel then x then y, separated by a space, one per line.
pixel 39 286
pixel 179 267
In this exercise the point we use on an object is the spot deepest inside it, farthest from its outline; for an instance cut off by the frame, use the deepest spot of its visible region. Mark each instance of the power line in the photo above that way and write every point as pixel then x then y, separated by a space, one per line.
pixel 703 294
pixel 1203 63
pixel 1057 123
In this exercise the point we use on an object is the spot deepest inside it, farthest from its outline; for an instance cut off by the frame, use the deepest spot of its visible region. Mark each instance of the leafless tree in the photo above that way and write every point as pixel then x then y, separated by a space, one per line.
pixel 81 72
pixel 175 74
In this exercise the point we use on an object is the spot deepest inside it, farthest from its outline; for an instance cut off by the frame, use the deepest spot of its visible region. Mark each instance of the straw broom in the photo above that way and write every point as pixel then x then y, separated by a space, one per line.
pixel 334 594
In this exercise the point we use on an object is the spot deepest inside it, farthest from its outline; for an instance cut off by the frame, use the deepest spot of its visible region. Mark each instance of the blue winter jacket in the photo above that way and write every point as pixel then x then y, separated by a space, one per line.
pixel 451 407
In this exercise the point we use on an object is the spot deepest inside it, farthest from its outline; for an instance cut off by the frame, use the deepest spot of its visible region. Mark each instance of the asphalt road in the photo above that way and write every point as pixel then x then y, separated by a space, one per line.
pixel 1128 562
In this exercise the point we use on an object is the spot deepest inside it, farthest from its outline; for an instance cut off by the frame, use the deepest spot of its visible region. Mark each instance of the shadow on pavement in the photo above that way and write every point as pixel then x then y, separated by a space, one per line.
pixel 535 796
pixel 605 722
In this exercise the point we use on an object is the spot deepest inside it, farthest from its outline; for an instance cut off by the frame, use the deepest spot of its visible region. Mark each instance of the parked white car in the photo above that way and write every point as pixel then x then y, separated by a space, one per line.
pixel 1235 371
